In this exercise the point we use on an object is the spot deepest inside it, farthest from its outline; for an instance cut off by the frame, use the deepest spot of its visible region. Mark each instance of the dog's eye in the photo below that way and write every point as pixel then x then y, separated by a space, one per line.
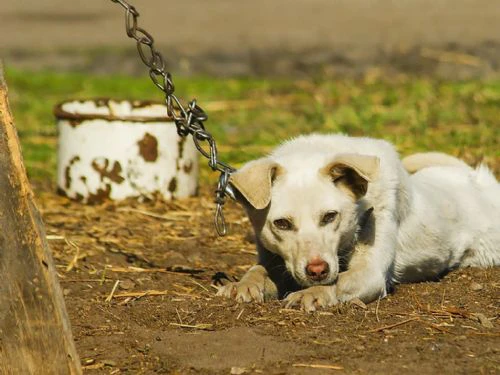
pixel 328 217
pixel 283 224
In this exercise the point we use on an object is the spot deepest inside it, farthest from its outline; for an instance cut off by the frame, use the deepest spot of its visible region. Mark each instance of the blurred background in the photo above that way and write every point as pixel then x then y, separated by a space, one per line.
pixel 421 73
pixel 447 38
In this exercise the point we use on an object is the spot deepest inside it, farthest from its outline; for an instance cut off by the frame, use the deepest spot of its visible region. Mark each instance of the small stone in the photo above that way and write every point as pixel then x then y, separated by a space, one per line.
pixel 195 258
pixel 109 362
pixel 357 302
pixel 66 291
pixel 174 257
pixel 435 347
pixel 485 322
pixel 126 284
pixel 475 286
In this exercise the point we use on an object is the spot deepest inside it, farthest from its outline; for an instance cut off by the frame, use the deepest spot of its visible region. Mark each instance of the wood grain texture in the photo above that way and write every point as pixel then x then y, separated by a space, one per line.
pixel 35 333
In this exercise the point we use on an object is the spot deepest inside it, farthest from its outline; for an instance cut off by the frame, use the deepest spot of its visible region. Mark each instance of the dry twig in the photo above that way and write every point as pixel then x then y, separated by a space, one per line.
pixel 153 215
pixel 434 326
pixel 318 366
pixel 393 325
pixel 201 326
pixel 239 315
pixel 110 297
pixel 376 310
pixel 74 261
pixel 142 294
pixel 132 269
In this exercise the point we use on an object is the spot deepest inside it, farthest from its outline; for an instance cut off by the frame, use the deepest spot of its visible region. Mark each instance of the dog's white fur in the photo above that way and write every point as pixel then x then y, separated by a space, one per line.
pixel 444 216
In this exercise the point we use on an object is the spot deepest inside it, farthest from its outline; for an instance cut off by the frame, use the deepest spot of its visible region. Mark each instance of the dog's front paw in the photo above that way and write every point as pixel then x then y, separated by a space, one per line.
pixel 312 298
pixel 243 291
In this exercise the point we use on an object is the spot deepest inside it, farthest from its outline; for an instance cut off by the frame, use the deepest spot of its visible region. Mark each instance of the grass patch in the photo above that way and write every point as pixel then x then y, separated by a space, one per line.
pixel 250 116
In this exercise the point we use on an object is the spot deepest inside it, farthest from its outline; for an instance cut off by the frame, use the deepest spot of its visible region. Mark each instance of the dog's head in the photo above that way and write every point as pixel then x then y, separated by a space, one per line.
pixel 307 215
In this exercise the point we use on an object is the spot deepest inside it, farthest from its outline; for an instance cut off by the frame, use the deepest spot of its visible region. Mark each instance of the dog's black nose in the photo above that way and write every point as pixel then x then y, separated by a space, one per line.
pixel 317 269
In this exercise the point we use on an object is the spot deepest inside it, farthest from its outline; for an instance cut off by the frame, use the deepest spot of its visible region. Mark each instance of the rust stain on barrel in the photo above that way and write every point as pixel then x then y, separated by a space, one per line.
pixel 100 195
pixel 188 167
pixel 114 174
pixel 148 147
pixel 74 122
pixel 67 171
pixel 172 186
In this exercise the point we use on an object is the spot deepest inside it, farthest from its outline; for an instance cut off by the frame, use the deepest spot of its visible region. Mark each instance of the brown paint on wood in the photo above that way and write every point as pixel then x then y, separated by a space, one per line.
pixel 35 332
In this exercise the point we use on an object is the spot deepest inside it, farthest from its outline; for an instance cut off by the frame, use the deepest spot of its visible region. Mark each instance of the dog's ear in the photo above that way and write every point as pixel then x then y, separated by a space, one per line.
pixel 353 172
pixel 254 180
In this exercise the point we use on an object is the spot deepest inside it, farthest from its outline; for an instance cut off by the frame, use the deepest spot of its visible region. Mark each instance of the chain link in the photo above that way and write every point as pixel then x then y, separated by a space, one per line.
pixel 188 120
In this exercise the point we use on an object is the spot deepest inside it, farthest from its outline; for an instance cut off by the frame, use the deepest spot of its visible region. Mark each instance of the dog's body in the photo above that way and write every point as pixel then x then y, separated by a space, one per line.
pixel 338 218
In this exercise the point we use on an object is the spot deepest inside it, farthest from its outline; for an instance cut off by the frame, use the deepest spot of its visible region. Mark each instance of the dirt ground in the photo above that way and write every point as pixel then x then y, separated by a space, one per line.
pixel 163 317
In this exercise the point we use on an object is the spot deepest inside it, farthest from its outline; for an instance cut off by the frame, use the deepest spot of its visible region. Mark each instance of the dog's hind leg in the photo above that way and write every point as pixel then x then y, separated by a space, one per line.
pixel 414 163
pixel 484 253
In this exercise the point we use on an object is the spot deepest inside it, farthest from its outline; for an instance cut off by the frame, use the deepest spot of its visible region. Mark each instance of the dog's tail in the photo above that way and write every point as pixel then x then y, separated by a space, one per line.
pixel 482 175
pixel 416 162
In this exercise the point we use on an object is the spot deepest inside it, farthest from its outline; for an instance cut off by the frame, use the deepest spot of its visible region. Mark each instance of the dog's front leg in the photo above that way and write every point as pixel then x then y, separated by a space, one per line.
pixel 370 268
pixel 255 285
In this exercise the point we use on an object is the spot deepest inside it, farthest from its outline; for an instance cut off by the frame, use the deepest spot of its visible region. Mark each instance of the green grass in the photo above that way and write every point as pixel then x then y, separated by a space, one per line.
pixel 250 116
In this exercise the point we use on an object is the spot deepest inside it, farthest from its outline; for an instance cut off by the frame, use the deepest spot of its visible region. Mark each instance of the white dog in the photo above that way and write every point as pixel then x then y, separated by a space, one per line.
pixel 338 218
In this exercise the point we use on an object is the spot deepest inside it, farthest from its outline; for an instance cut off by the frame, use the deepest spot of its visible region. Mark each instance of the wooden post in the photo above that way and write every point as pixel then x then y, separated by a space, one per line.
pixel 35 332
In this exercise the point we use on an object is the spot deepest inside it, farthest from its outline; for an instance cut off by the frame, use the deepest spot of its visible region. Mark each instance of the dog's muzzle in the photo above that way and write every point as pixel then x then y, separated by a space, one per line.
pixel 317 269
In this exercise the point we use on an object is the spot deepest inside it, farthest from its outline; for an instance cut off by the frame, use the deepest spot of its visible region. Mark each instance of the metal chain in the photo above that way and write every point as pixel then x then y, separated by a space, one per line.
pixel 188 120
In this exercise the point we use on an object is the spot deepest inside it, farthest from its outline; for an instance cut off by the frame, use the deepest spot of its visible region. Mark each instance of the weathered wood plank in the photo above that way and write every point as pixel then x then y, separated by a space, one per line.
pixel 35 333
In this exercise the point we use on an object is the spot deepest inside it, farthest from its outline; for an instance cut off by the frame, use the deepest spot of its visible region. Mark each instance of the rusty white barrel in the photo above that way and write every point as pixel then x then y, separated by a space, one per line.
pixel 118 149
